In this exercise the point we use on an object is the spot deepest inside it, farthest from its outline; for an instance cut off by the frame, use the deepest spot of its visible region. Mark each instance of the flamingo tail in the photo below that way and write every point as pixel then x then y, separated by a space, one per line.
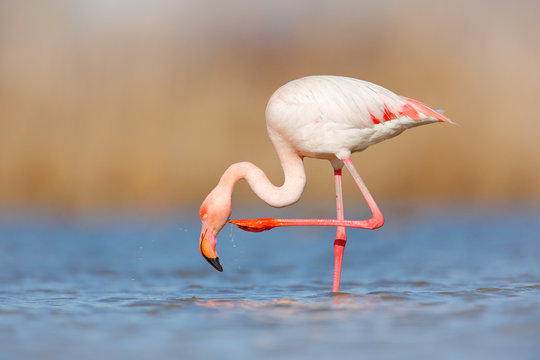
pixel 427 111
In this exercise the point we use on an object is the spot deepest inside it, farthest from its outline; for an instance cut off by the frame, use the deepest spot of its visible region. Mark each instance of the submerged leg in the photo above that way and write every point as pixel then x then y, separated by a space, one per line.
pixel 376 221
pixel 341 236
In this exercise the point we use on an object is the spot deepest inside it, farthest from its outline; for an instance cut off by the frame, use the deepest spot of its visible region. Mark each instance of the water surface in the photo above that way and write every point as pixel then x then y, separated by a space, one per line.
pixel 436 283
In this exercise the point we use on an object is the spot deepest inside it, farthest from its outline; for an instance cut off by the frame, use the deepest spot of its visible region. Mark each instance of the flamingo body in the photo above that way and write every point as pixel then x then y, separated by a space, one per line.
pixel 325 117
pixel 330 117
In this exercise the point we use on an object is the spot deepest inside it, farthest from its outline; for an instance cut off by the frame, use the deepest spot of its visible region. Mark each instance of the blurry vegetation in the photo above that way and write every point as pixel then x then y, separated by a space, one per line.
pixel 145 104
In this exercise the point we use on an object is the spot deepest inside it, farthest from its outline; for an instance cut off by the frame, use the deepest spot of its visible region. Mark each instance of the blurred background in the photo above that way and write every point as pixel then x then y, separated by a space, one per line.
pixel 143 104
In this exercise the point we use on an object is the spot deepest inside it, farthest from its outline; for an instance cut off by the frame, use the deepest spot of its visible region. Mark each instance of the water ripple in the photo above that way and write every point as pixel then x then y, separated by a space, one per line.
pixel 464 288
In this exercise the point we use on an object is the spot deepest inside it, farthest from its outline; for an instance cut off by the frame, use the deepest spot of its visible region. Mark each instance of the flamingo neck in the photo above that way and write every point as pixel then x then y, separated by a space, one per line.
pixel 276 196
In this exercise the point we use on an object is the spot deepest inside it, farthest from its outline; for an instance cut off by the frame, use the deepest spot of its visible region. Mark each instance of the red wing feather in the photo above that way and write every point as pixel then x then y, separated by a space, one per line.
pixel 413 107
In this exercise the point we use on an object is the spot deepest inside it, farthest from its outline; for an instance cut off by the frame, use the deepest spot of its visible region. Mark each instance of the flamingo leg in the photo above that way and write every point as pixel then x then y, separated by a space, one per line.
pixel 376 221
pixel 341 236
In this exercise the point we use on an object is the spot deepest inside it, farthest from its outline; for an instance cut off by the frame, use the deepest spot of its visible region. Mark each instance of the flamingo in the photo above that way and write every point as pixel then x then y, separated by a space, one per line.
pixel 322 117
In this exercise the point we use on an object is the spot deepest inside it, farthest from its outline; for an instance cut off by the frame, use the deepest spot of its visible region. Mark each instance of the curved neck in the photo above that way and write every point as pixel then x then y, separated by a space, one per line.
pixel 276 196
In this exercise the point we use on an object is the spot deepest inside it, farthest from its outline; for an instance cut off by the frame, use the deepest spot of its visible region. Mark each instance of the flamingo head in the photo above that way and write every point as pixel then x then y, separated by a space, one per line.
pixel 214 212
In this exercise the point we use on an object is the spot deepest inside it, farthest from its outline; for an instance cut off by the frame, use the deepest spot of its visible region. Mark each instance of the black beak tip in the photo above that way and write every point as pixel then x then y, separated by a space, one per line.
pixel 215 263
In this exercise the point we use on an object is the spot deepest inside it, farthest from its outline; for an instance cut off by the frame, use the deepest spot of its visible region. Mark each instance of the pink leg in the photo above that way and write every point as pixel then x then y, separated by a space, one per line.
pixel 376 221
pixel 341 236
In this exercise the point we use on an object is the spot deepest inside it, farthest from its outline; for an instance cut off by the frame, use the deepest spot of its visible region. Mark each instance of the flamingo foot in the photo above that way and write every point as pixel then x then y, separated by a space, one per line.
pixel 256 225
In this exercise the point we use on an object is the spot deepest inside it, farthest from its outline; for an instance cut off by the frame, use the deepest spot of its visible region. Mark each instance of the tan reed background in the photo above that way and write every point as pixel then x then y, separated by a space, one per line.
pixel 144 104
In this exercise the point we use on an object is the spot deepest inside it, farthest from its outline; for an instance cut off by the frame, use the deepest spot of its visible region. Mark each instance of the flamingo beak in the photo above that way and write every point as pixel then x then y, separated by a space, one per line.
pixel 207 246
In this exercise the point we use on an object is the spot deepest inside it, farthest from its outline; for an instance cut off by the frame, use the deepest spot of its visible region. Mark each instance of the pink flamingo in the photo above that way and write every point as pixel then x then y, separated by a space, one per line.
pixel 323 117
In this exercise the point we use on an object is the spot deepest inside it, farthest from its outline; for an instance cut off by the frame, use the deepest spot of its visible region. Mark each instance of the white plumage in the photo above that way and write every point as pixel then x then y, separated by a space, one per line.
pixel 333 116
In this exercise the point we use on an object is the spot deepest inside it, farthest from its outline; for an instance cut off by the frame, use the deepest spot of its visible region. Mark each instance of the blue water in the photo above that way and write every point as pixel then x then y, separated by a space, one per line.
pixel 435 283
